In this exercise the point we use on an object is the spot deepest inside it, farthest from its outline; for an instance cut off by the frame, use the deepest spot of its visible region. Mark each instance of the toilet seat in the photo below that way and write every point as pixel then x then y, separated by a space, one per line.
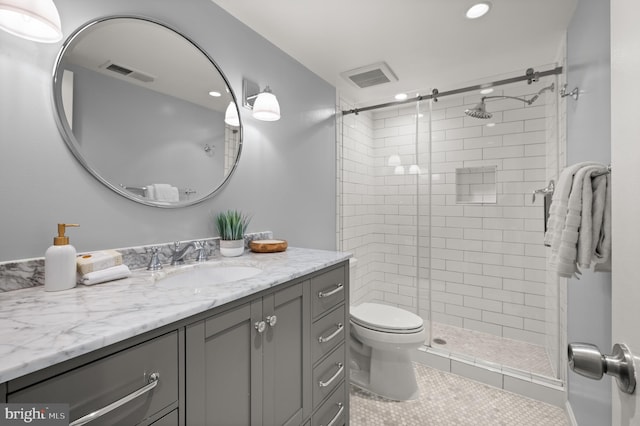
pixel 384 318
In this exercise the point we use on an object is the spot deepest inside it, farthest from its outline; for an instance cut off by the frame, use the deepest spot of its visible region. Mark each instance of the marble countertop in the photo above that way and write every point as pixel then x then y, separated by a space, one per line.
pixel 39 329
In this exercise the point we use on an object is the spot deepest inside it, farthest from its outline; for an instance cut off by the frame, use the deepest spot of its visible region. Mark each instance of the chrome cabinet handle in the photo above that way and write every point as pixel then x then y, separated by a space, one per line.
pixel 261 326
pixel 272 320
pixel 338 414
pixel 323 339
pixel 338 288
pixel 154 379
pixel 334 377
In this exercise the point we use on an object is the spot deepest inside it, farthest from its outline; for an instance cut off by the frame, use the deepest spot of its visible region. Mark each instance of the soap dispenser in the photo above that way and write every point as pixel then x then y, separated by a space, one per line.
pixel 60 262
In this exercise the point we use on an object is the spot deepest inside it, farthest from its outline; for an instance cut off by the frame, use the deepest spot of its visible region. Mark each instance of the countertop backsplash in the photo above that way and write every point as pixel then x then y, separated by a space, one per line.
pixel 19 274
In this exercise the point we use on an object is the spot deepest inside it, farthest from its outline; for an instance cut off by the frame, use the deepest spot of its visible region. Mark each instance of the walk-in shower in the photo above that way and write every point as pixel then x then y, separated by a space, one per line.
pixel 436 207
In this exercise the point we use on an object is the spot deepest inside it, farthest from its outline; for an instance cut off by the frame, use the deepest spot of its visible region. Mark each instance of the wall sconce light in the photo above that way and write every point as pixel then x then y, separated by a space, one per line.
pixel 264 104
pixel 36 20
pixel 231 115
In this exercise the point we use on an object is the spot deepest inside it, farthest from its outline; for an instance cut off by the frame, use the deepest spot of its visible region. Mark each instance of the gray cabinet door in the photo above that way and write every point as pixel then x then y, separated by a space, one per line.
pixel 286 356
pixel 224 369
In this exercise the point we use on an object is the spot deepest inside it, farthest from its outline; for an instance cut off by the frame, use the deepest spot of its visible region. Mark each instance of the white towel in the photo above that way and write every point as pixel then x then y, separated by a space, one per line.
pixel 576 223
pixel 560 202
pixel 109 274
pixel 602 252
pixel 593 208
pixel 166 192
pixel 149 192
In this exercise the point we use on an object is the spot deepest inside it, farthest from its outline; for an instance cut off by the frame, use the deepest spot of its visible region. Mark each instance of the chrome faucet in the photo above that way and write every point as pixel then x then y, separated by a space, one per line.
pixel 178 254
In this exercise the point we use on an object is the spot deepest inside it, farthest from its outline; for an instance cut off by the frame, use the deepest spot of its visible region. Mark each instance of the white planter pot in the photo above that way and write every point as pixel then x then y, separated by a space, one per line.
pixel 231 248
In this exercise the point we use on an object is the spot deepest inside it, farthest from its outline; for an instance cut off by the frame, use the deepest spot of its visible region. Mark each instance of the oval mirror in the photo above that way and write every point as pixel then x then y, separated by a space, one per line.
pixel 143 108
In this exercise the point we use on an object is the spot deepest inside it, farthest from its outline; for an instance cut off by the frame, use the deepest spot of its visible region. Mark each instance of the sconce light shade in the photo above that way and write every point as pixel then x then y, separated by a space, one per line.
pixel 36 20
pixel 266 106
pixel 231 115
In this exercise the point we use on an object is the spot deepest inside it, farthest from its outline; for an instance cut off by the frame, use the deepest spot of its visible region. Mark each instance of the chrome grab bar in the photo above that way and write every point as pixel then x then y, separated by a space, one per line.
pixel 544 191
pixel 332 378
pixel 323 339
pixel 339 287
pixel 154 379
pixel 338 414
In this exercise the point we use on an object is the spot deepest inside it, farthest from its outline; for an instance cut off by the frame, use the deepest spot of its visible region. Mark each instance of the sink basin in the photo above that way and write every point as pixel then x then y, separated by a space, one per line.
pixel 208 275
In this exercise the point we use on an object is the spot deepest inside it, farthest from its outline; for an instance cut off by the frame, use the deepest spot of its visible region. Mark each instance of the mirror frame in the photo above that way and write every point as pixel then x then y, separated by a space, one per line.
pixel 70 139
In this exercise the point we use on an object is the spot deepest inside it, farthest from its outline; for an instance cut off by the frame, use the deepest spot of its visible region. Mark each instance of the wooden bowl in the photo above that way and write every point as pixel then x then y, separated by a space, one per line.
pixel 267 246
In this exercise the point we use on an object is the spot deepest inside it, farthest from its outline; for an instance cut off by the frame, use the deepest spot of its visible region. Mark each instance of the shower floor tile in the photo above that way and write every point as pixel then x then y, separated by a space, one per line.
pixel 447 399
pixel 495 349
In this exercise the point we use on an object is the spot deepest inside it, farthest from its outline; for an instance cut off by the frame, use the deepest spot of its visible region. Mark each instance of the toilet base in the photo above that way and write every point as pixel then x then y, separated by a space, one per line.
pixel 390 376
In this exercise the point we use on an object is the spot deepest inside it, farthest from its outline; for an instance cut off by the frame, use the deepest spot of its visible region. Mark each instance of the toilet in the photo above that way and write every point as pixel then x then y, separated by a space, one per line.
pixel 382 339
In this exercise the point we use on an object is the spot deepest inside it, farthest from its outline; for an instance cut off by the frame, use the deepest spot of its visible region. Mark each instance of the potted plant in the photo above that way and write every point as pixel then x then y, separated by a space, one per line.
pixel 231 226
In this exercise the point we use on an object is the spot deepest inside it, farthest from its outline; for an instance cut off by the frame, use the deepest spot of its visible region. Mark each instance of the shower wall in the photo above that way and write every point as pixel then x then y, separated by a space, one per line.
pixel 488 270
pixel 378 205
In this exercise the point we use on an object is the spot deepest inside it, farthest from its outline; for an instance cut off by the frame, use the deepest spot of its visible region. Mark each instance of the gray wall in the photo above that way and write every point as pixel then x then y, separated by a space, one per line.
pixel 589 138
pixel 285 179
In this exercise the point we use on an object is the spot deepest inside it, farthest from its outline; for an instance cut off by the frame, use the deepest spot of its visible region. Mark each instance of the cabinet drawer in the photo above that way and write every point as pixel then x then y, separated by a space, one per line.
pixel 328 332
pixel 327 290
pixel 96 385
pixel 328 374
pixel 333 411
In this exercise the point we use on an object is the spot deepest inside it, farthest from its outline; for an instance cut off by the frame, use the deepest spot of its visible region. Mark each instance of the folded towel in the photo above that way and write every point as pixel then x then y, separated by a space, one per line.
pixel 575 225
pixel 109 274
pixel 166 192
pixel 149 192
pixel 602 252
pixel 560 202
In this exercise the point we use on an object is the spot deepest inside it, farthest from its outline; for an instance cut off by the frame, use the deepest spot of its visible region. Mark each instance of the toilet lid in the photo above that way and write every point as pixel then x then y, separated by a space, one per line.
pixel 384 317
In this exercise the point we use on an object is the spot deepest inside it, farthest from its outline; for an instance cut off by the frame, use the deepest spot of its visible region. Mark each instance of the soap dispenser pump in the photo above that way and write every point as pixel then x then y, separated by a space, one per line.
pixel 60 262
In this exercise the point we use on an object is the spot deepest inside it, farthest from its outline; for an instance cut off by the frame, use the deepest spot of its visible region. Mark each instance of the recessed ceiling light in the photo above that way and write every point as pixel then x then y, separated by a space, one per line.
pixel 401 96
pixel 478 10
pixel 486 91
pixel 215 94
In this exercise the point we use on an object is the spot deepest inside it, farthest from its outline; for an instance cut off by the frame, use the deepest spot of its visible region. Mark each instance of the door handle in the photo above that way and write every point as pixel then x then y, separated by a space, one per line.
pixel 587 360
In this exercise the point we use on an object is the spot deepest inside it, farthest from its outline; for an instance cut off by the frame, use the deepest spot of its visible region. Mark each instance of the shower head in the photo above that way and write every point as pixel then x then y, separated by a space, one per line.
pixel 479 111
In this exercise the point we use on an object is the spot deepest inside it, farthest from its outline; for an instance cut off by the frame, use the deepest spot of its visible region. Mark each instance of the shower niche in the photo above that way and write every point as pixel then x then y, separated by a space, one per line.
pixel 476 185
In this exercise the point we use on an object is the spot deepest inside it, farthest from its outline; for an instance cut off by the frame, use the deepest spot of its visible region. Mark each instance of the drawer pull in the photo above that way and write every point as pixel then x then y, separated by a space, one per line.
pixel 154 379
pixel 334 377
pixel 322 294
pixel 323 339
pixel 338 414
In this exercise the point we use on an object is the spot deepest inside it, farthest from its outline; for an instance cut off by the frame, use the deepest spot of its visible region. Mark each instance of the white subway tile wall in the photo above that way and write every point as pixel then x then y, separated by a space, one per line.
pixel 485 265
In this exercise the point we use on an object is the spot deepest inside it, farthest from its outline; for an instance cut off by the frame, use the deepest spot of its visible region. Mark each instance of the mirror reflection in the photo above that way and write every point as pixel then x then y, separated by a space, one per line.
pixel 143 109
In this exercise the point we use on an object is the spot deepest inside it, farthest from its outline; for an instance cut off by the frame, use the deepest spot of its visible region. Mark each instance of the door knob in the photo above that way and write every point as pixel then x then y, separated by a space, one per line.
pixel 587 360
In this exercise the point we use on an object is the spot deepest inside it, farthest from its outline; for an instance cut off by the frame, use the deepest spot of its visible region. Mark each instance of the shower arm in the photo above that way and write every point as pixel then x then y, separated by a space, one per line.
pixel 526 101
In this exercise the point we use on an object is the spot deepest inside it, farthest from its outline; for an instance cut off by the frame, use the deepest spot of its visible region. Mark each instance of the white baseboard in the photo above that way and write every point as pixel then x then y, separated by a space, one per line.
pixel 570 415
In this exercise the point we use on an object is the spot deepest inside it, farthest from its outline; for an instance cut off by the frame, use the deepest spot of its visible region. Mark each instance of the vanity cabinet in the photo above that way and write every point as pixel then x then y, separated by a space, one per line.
pixel 276 360
pixel 277 357
pixel 248 366
pixel 149 368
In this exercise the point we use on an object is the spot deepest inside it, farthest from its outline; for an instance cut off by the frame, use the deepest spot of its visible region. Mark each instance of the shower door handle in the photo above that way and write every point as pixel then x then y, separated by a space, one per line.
pixel 586 360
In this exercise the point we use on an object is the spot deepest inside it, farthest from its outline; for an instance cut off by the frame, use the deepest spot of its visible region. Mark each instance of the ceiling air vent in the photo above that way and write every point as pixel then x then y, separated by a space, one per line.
pixel 128 72
pixel 370 75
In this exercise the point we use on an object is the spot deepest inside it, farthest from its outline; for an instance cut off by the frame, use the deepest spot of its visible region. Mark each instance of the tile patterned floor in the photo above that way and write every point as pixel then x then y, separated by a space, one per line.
pixel 447 399
pixel 488 347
